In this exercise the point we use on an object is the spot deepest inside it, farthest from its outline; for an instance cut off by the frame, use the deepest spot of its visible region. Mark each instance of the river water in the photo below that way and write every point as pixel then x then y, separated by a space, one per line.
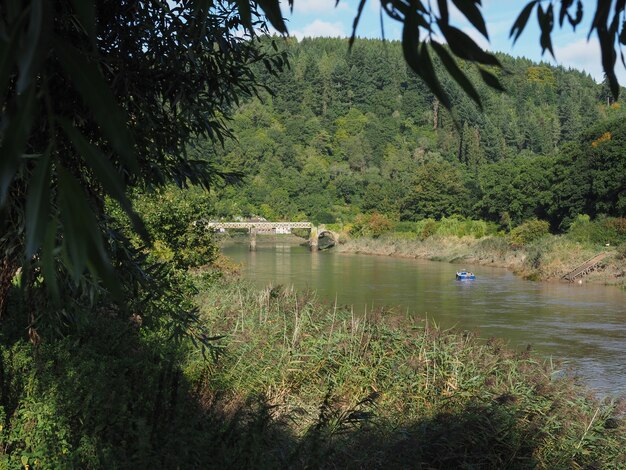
pixel 582 325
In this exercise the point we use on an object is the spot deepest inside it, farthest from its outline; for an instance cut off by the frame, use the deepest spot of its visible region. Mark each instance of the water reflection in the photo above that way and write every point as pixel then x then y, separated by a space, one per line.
pixel 583 324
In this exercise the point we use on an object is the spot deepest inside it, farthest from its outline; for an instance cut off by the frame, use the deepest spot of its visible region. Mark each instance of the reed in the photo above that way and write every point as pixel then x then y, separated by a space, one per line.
pixel 386 389
pixel 295 384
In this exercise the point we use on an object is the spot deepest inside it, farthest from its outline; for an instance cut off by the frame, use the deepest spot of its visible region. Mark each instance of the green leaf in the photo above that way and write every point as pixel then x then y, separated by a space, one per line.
pixel 15 139
pixel 48 258
pixel 86 13
pixel 105 172
pixel 416 55
pixel 464 47
pixel 608 59
pixel 601 17
pixel 37 204
pixel 78 222
pixel 443 10
pixel 456 73
pixel 579 15
pixel 34 51
pixel 245 13
pixel 27 54
pixel 522 19
pixel 271 8
pixel 83 247
pixel 565 4
pixel 200 12
pixel 8 50
pixel 96 93
pixel 472 13
pixel 491 80
pixel 546 24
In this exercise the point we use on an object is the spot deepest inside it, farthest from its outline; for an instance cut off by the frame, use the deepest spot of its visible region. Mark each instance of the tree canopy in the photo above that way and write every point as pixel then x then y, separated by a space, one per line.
pixel 100 96
pixel 427 25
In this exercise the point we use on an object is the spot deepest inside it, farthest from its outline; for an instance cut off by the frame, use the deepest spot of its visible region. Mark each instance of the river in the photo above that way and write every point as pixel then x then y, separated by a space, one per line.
pixel 582 325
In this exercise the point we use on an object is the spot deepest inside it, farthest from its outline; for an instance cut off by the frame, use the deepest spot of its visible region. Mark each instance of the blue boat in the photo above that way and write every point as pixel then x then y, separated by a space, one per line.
pixel 465 276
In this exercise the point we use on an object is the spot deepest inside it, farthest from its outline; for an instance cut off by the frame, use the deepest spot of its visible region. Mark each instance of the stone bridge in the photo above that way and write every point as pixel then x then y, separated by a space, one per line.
pixel 264 227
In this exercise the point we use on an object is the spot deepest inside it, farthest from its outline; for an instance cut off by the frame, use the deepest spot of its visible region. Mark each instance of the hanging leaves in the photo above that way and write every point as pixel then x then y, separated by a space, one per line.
pixel 546 23
pixel 472 13
pixel 38 204
pixel 522 19
pixel 97 94
pixel 455 72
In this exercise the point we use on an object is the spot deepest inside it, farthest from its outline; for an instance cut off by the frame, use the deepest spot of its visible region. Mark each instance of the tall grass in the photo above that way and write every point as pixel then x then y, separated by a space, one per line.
pixel 383 389
pixel 297 385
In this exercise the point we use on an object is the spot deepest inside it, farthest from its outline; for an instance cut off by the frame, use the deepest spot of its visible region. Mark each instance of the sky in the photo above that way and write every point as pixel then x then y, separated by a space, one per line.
pixel 312 18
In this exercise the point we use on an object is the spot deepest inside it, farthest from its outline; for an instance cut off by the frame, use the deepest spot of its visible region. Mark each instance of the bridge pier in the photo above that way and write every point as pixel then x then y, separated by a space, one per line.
pixel 252 239
pixel 313 239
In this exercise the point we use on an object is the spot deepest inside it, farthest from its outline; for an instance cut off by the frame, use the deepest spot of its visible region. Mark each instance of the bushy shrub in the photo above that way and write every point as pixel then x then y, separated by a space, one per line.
pixel 528 232
pixel 580 229
pixel 406 226
pixel 454 226
pixel 335 227
pixel 603 230
pixel 613 230
pixel 371 225
pixel 426 228
pixel 176 220
pixel 450 226
pixel 480 228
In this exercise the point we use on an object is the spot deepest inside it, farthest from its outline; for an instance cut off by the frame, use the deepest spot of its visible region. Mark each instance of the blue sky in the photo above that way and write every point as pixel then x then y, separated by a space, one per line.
pixel 321 18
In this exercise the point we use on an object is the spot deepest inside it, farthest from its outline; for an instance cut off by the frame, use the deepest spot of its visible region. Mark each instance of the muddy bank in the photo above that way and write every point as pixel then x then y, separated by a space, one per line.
pixel 547 259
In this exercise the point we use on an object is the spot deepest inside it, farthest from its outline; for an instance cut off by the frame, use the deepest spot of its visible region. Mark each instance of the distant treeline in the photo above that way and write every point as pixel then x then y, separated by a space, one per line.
pixel 356 132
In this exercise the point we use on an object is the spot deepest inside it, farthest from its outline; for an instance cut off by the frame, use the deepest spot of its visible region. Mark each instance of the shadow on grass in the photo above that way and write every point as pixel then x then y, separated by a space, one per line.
pixel 115 398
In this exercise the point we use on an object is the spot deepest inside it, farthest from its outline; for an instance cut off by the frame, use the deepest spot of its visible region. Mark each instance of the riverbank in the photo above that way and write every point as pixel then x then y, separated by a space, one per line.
pixel 319 386
pixel 545 259
pixel 290 383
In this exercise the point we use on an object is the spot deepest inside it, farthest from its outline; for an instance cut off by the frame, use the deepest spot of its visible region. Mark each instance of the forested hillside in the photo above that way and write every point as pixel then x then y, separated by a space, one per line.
pixel 348 133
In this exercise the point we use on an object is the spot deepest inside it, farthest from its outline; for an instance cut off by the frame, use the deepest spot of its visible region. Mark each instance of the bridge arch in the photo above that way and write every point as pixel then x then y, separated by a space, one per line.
pixel 330 234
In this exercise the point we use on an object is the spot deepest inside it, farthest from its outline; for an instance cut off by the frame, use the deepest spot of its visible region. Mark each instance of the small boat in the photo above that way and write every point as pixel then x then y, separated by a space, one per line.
pixel 465 275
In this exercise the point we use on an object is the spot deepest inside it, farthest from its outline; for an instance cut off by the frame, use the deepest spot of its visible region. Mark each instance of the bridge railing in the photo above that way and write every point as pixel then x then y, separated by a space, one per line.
pixel 260 225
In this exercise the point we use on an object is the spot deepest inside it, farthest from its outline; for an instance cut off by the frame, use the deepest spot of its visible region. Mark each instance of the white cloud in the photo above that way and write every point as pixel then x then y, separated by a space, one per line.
pixel 585 55
pixel 320 28
pixel 581 55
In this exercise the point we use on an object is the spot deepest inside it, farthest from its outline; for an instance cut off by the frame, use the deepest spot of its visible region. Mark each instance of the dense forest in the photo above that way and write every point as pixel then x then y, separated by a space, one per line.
pixel 127 340
pixel 357 132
